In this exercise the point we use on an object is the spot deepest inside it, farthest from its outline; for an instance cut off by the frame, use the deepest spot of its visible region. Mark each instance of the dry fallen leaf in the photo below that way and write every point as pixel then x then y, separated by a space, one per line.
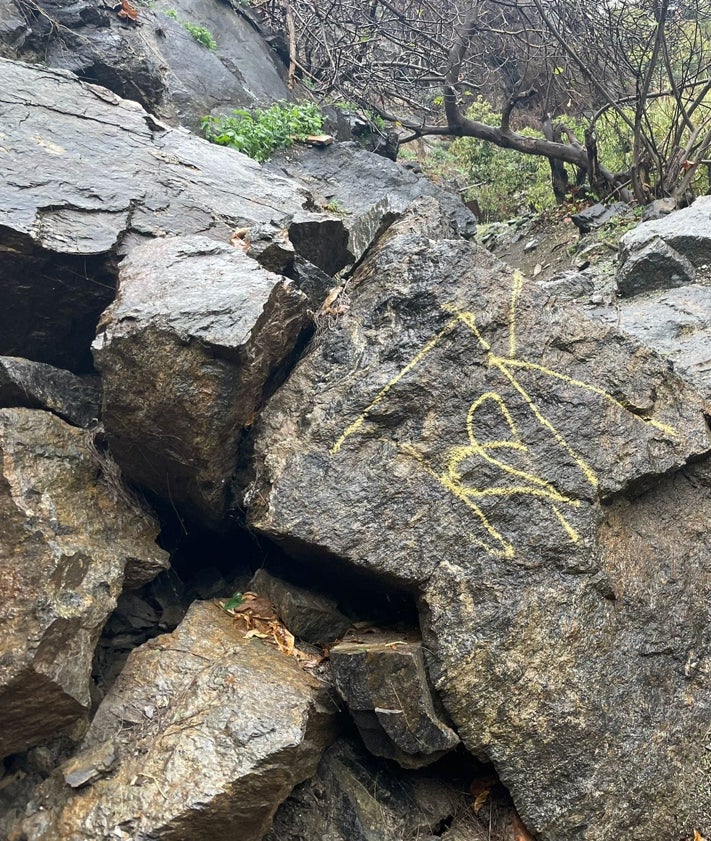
pixel 127 11
pixel 481 799
pixel 698 836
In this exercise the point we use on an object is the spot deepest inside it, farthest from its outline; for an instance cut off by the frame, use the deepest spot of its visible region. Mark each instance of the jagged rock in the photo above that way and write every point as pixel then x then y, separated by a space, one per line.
pixel 366 191
pixel 68 536
pixel 658 209
pixel 186 352
pixel 457 433
pixel 154 60
pixel 84 174
pixel 33 385
pixel 597 215
pixel 354 797
pixel 90 765
pixel 654 266
pixel 212 730
pixel 309 616
pixel 383 680
pixel 687 232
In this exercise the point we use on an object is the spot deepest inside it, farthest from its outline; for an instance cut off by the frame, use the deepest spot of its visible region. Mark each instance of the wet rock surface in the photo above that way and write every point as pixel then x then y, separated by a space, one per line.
pixel 186 352
pixel 70 536
pixel 549 419
pixel 383 680
pixel 212 730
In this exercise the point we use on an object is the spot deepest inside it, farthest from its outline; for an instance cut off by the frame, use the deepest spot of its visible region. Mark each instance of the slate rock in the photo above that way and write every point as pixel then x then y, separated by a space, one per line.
pixel 458 432
pixel 213 731
pixel 154 61
pixel 383 680
pixel 33 385
pixel 185 352
pixel 309 616
pixel 597 215
pixel 84 175
pixel 68 537
pixel 687 231
pixel 655 266
pixel 366 191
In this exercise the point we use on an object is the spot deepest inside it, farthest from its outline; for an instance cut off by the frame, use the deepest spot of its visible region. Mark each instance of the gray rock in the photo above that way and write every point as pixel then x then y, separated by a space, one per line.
pixel 309 616
pixel 85 174
pixel 658 209
pixel 383 680
pixel 687 231
pixel 474 442
pixel 213 731
pixel 90 765
pixel 68 536
pixel 367 191
pixel 597 215
pixel 33 385
pixel 185 353
pixel 155 60
pixel 654 266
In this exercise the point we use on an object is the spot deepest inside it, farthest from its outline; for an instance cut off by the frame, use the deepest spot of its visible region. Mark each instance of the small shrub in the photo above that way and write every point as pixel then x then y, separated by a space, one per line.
pixel 202 35
pixel 259 134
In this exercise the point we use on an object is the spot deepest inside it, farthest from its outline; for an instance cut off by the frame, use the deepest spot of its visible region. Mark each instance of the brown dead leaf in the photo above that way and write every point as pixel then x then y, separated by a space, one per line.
pixel 240 239
pixel 481 799
pixel 698 836
pixel 127 11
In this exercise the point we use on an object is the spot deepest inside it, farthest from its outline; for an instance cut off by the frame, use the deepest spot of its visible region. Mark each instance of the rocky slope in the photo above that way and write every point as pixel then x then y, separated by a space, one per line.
pixel 469 523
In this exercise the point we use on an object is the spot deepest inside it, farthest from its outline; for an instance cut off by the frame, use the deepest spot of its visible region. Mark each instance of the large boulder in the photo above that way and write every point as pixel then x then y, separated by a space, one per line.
pixel 203 735
pixel 461 434
pixel 154 59
pixel 186 351
pixel 71 537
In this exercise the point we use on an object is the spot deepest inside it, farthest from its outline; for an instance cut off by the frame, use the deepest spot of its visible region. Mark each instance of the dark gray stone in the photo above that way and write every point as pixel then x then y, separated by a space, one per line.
pixel 383 680
pixel 309 616
pixel 33 385
pixel 457 432
pixel 654 266
pixel 597 215
pixel 186 352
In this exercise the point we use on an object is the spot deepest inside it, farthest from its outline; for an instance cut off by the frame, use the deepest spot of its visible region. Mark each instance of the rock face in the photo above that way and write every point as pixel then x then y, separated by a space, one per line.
pixel 68 536
pixel 383 680
pixel 185 352
pixel 212 731
pixel 450 386
pixel 153 60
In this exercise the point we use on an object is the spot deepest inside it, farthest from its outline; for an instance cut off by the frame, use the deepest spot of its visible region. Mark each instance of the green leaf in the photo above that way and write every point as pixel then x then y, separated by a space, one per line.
pixel 234 601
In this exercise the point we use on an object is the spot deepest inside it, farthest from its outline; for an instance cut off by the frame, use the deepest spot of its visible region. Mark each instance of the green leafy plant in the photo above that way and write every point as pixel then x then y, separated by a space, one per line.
pixel 202 35
pixel 234 601
pixel 262 132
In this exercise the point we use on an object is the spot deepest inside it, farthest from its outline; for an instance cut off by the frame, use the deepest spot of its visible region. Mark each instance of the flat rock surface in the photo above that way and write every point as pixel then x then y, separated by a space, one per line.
pixel 458 432
pixel 212 731
pixel 70 535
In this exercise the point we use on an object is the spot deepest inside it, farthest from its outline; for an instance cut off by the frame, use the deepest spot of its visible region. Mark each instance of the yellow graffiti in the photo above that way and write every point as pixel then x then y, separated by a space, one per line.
pixel 519 481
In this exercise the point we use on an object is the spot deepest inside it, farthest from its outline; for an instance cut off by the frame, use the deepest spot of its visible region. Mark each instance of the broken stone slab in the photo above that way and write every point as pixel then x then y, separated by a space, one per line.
pixel 383 680
pixel 68 537
pixel 186 353
pixel 34 385
pixel 213 731
pixel 460 433
pixel 155 60
pixel 597 215
pixel 85 174
pixel 90 765
pixel 654 266
pixel 686 231
pixel 365 193
pixel 309 616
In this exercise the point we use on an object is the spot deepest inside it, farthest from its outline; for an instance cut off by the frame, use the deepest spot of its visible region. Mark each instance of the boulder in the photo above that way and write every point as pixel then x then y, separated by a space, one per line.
pixel 597 215
pixel 186 352
pixel 459 433
pixel 212 731
pixel 687 232
pixel 365 192
pixel 70 538
pixel 154 59
pixel 34 385
pixel 383 681
pixel 309 616
pixel 656 265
